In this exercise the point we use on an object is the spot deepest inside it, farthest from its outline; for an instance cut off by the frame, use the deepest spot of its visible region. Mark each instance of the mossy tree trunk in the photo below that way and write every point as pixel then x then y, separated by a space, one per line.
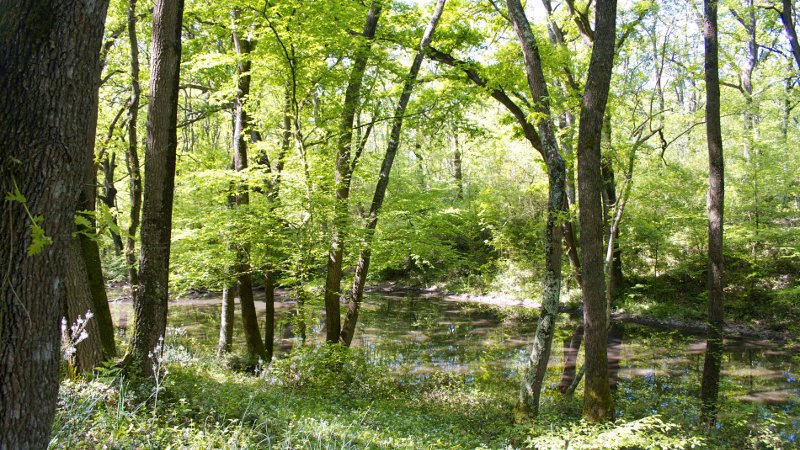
pixel 598 403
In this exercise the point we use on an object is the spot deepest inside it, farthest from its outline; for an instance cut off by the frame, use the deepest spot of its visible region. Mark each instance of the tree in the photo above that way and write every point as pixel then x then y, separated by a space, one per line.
pixel 530 390
pixel 49 55
pixel 150 308
pixel 344 173
pixel 716 207
pixel 597 400
pixel 362 267
pixel 241 125
pixel 132 155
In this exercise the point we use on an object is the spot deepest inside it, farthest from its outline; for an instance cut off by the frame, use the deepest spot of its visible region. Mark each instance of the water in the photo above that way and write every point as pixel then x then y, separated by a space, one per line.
pixel 659 370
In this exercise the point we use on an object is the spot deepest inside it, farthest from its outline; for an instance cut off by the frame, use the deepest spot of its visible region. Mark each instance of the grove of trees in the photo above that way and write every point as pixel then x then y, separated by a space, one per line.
pixel 566 151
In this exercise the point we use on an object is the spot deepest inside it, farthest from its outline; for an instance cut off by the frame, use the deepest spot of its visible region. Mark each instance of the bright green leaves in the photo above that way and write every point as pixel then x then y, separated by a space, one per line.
pixel 39 240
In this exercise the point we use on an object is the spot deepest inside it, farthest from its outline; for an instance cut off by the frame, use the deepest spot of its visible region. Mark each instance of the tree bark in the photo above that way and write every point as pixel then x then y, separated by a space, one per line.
pixel 352 100
pixel 241 124
pixel 88 352
pixel 598 404
pixel 530 389
pixel 150 307
pixel 716 201
pixel 362 268
pixel 132 156
pixel 49 54
pixel 109 197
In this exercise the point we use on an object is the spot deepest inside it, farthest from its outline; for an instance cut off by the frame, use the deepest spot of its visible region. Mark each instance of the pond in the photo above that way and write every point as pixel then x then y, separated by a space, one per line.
pixel 659 371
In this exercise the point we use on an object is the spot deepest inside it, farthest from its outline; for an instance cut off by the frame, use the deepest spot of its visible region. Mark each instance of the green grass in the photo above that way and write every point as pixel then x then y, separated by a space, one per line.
pixel 332 398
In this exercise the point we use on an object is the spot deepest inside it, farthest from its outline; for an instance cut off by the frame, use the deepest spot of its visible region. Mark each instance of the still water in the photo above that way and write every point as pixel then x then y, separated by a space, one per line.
pixel 659 370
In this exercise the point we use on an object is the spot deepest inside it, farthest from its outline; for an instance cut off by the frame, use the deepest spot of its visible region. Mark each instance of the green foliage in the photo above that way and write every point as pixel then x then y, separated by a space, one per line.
pixel 648 432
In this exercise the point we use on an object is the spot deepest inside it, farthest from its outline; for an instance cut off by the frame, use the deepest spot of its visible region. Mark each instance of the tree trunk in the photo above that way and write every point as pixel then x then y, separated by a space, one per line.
pixel 530 389
pixel 458 175
pixel 226 321
pixel 89 251
pixel 615 277
pixel 92 266
pixel 269 320
pixel 716 201
pixel 597 404
pixel 252 333
pixel 787 17
pixel 132 156
pixel 48 76
pixel 352 100
pixel 109 197
pixel 362 268
pixel 87 351
pixel 150 306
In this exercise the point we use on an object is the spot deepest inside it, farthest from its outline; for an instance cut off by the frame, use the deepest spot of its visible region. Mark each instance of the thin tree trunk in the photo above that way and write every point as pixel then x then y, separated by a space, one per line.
pixel 92 267
pixel 109 197
pixel 269 321
pixel 362 267
pixel 132 156
pixel 352 100
pixel 615 278
pixel 46 130
pixel 89 251
pixel 598 404
pixel 458 175
pixel 150 306
pixel 533 377
pixel 716 201
pixel 252 332
pixel 226 321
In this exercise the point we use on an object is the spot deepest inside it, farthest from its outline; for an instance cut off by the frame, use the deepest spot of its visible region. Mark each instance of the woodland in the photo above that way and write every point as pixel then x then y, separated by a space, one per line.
pixel 549 224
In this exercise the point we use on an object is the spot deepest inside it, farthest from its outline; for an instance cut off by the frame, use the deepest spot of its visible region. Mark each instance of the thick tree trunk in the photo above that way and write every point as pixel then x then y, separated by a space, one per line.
pixel 150 306
pixel 48 76
pixel 352 101
pixel 716 201
pixel 362 268
pixel 530 389
pixel 241 124
pixel 598 405
pixel 132 156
